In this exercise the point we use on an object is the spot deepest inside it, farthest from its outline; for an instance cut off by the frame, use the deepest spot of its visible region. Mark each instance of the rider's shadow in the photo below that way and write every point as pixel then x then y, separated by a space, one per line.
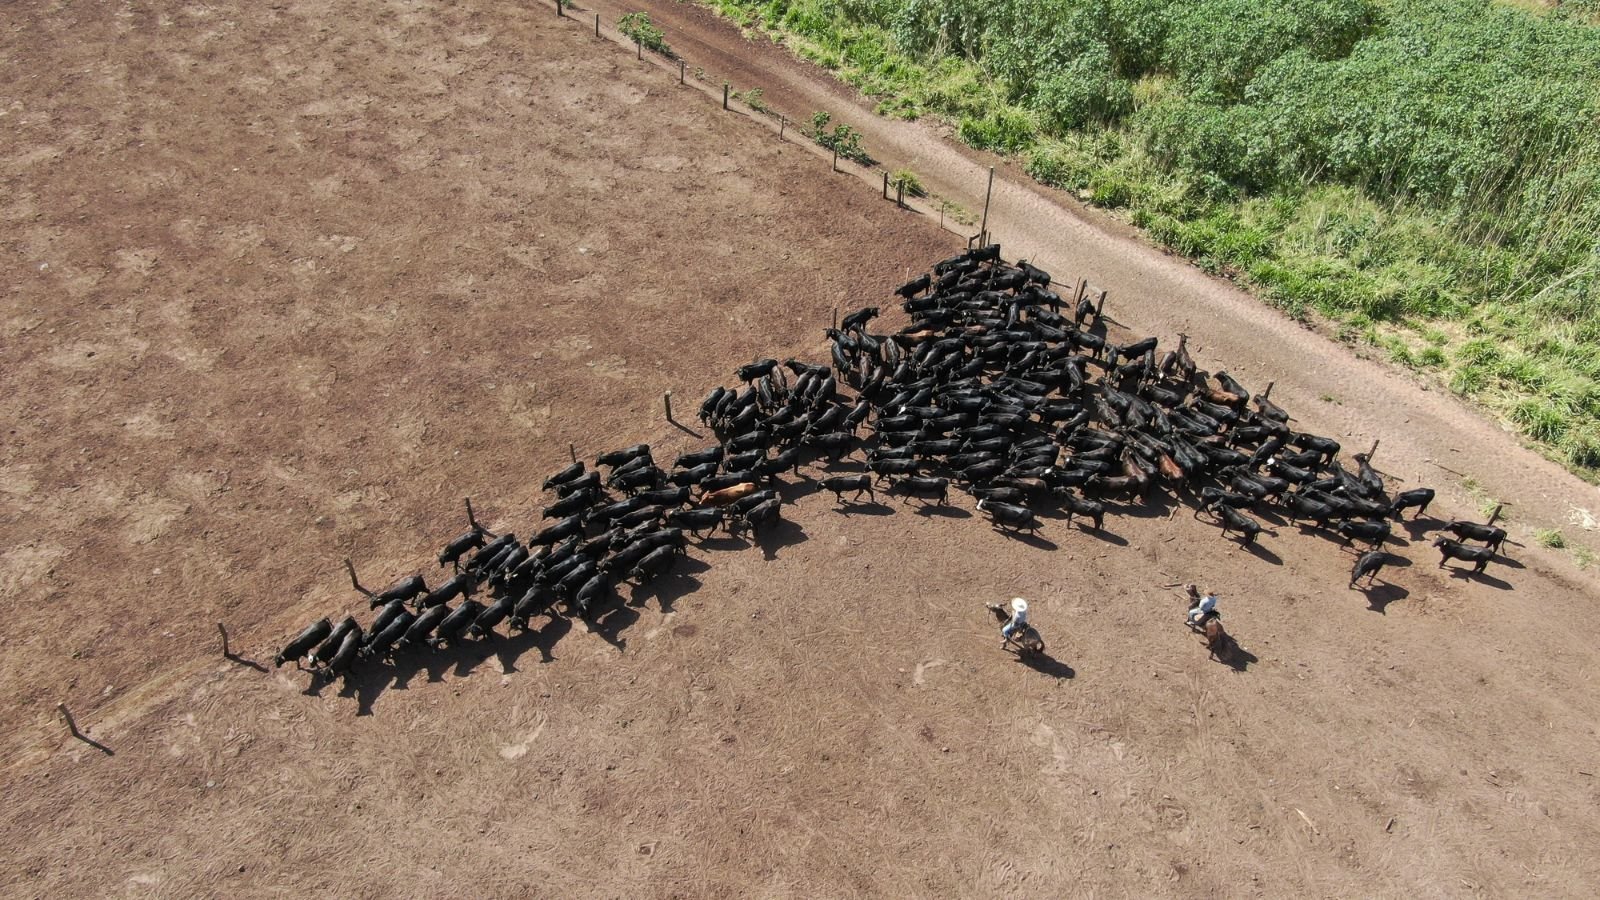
pixel 1045 664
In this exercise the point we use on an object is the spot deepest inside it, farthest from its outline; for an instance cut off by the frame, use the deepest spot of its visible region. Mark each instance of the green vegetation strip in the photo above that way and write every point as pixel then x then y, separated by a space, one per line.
pixel 1424 173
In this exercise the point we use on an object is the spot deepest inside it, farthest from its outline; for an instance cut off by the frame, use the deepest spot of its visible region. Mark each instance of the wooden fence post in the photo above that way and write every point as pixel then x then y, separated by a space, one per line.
pixel 572 451
pixel 724 95
pixel 681 64
pixel 224 632
pixel 836 159
pixel 596 24
pixel 638 48
pixel 666 400
pixel 886 185
pixel 559 13
pixel 900 195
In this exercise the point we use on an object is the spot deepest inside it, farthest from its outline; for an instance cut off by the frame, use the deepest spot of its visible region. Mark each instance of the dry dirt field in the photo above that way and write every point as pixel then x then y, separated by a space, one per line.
pixel 287 281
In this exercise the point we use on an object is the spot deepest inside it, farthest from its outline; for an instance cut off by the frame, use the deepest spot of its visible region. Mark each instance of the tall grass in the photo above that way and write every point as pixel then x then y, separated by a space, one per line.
pixel 1424 173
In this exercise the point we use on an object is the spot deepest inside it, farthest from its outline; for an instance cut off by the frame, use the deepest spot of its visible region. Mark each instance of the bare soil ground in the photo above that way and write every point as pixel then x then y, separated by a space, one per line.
pixel 288 281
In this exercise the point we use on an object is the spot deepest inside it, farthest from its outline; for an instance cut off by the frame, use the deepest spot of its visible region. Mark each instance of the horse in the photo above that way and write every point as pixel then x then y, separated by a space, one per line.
pixel 1026 638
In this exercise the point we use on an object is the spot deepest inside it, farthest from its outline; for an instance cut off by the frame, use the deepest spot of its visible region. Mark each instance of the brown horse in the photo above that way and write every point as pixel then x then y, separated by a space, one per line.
pixel 1218 642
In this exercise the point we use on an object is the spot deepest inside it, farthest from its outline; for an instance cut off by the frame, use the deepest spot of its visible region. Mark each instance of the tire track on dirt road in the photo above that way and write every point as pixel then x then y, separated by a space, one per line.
pixel 1429 437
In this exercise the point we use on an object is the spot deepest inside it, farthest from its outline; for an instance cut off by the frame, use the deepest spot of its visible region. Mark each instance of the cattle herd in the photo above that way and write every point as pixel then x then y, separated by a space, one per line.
pixel 997 387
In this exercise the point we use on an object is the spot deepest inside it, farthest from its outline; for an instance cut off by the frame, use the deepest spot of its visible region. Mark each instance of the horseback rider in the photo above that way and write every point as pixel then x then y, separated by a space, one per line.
pixel 1203 610
pixel 1018 621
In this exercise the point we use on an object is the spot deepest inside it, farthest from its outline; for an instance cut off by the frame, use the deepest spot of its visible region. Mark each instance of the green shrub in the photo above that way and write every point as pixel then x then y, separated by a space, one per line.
pixel 907 181
pixel 637 25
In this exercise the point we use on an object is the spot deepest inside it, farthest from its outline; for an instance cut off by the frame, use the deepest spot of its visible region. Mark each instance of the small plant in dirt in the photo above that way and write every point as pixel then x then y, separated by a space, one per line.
pixel 637 25
pixel 907 181
pixel 752 99
pixel 1550 537
pixel 843 139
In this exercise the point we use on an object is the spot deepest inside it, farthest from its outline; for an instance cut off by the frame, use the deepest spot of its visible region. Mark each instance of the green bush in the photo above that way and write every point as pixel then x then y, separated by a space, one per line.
pixel 637 25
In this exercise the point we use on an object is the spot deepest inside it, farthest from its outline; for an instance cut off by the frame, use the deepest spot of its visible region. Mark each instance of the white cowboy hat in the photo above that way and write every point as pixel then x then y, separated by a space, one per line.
pixel 1019 605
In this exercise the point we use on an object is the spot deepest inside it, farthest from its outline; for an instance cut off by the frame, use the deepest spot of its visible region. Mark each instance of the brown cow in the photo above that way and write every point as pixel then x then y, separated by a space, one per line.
pixel 727 495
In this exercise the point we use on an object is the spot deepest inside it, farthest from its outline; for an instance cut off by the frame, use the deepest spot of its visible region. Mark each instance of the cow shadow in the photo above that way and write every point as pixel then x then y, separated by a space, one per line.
pixel 1418 528
pixel 1256 549
pixel 1045 664
pixel 610 625
pixel 726 542
pixel 1380 595
pixel 931 510
pixel 782 533
pixel 1029 538
pixel 870 508
pixel 667 588
pixel 1501 559
pixel 1110 537
pixel 1484 578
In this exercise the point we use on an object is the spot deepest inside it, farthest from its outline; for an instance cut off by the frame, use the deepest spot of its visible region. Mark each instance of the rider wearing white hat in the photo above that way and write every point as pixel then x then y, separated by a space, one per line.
pixel 1019 620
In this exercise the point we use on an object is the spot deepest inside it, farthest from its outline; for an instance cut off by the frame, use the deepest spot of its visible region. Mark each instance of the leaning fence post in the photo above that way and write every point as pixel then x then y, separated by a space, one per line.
pixel 572 450
pixel 224 632
pixel 666 400
pixel 1100 305
pixel 1496 514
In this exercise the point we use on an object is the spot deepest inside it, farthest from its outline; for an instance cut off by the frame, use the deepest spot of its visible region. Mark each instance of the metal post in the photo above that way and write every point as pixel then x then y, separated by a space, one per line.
pixel 984 228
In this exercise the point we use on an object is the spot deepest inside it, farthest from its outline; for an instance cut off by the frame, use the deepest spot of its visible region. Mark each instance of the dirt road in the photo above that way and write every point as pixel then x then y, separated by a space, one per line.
pixel 1354 398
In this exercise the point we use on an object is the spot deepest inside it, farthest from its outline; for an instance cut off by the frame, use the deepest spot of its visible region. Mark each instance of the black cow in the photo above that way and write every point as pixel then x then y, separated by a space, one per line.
pixel 453 551
pixel 565 475
pixel 379 642
pixel 861 484
pixel 404 589
pixel 423 627
pixel 1094 510
pixel 930 488
pixel 1471 531
pixel 627 454
pixel 460 584
pixel 335 639
pixel 1009 515
pixel 1373 533
pixel 483 625
pixel 1449 550
pixel 857 321
pixel 1369 564
pixel 760 515
pixel 1233 520
pixel 760 367
pixel 1420 498
pixel 570 504
pixel 304 642
pixel 573 525
pixel 696 520
pixel 449 631
pixel 345 657
pixel 711 454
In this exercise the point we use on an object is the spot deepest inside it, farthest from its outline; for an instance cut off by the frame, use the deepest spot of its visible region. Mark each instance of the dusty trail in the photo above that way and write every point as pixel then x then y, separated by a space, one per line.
pixel 1429 437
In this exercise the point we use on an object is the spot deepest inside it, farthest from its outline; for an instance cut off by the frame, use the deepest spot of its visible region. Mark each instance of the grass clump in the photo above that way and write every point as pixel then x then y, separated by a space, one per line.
pixel 907 181
pixel 1550 537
